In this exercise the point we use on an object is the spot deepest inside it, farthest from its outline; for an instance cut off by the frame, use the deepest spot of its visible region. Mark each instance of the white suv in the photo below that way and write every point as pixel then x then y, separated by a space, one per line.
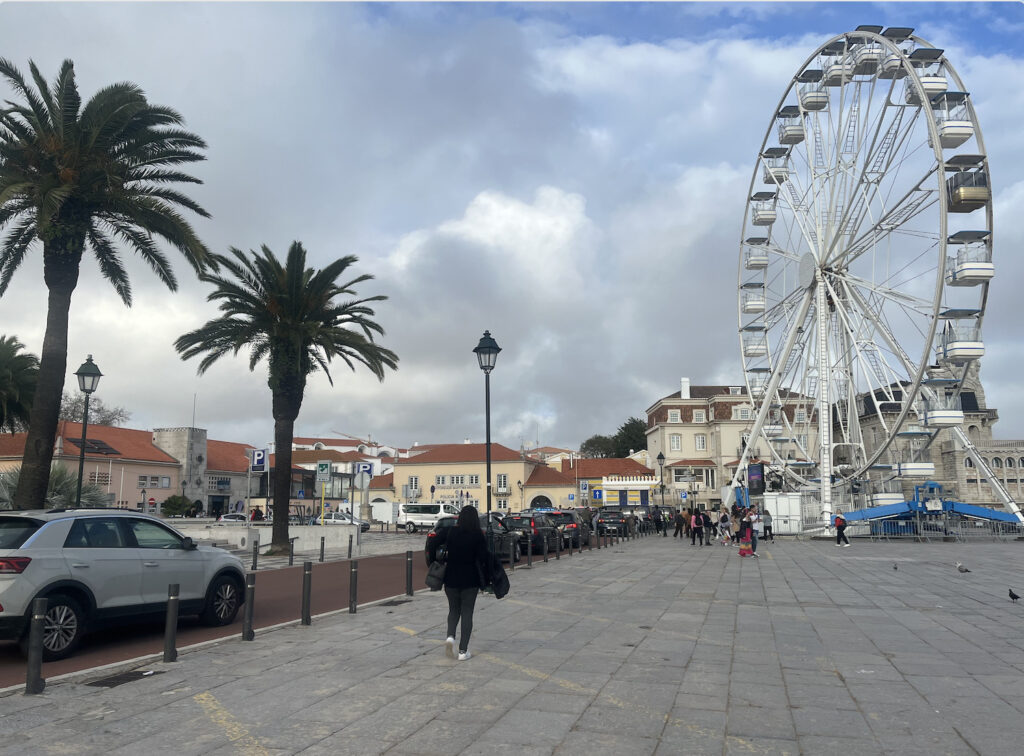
pixel 98 566
pixel 412 516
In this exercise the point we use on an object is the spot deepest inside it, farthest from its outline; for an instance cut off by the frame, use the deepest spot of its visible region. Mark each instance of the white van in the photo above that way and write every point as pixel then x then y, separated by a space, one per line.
pixel 413 516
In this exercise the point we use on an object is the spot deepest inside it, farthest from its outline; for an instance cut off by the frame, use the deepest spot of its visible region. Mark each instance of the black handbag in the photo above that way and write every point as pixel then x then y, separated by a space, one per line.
pixel 435 575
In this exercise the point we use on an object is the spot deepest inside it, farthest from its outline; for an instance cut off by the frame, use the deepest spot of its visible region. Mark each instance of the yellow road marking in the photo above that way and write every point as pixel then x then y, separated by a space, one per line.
pixel 235 730
pixel 405 630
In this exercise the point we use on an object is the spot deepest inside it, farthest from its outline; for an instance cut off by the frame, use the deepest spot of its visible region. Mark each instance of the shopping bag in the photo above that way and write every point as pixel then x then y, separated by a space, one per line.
pixel 435 576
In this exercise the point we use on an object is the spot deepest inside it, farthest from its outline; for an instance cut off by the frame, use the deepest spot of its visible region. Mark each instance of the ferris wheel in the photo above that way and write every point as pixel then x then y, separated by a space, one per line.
pixel 865 263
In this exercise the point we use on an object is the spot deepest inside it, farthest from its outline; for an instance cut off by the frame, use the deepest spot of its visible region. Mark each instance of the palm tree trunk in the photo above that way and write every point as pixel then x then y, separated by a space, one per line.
pixel 286 409
pixel 60 272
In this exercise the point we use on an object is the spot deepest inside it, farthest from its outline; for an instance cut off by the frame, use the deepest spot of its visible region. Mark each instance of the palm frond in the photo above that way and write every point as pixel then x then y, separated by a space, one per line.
pixel 110 265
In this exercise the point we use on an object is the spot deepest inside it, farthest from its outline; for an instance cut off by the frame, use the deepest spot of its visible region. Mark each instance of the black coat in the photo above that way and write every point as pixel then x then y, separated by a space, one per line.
pixel 466 557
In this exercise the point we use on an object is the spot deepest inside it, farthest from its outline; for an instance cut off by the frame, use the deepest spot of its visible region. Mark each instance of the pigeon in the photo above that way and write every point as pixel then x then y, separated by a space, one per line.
pixel 1013 596
pixel 895 566
pixel 961 568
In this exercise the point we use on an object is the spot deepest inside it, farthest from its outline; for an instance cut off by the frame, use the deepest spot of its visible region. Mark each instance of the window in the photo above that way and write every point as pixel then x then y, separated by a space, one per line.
pixel 968 462
pixel 440 480
pixel 700 416
pixel 801 440
pixel 700 442
pixel 1009 461
pixel 673 416
pixel 709 477
pixel 675 442
pixel 997 462
pixel 149 535
pixel 474 480
pixel 741 413
pixel 95 533
pixel 502 482
pixel 502 503
pixel 458 480
pixel 679 476
pixel 218 484
pixel 800 415
pixel 99 479
pixel 165 481
pixel 154 481
pixel 143 481
pixel 736 391
pixel 414 482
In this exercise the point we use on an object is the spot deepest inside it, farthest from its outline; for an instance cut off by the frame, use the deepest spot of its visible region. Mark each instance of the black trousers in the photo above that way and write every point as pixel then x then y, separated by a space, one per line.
pixel 841 535
pixel 696 533
pixel 768 535
pixel 460 608
pixel 679 530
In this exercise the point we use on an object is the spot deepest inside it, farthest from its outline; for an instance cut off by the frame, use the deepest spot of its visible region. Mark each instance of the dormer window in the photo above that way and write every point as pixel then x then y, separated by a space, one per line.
pixel 700 416
pixel 674 416
pixel 735 391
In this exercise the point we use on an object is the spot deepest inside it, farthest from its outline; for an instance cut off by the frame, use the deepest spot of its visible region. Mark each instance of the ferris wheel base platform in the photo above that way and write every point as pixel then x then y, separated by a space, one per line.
pixel 908 509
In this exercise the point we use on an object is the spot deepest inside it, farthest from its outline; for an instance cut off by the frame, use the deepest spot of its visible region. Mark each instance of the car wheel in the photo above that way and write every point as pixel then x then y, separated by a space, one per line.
pixel 223 598
pixel 410 527
pixel 63 628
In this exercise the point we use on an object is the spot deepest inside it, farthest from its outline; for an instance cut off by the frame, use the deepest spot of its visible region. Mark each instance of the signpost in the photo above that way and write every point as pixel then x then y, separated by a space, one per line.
pixel 323 477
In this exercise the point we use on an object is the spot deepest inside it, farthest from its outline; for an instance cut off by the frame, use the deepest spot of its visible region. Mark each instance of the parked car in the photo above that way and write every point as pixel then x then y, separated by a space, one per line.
pixel 611 521
pixel 503 537
pixel 232 517
pixel 534 527
pixel 102 567
pixel 573 528
pixel 415 516
pixel 341 518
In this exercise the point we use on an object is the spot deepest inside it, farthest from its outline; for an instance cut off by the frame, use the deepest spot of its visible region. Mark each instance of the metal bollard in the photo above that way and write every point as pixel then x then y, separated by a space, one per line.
pixel 511 555
pixel 382 527
pixel 307 588
pixel 291 551
pixel 408 573
pixel 171 626
pixel 349 545
pixel 545 549
pixel 558 547
pixel 255 553
pixel 599 537
pixel 322 540
pixel 529 551
pixel 247 613
pixel 590 543
pixel 34 682
pixel 353 586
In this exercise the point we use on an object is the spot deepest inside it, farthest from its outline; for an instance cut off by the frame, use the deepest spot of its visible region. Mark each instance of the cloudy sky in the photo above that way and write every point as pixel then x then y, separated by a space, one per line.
pixel 570 176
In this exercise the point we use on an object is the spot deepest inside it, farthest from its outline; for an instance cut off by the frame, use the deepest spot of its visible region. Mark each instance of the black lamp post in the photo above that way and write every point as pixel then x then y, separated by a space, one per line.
pixel 661 479
pixel 487 354
pixel 88 379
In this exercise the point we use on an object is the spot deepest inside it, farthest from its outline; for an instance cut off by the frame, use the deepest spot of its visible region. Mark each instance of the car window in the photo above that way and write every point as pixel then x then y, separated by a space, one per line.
pixel 95 533
pixel 561 519
pixel 14 531
pixel 149 535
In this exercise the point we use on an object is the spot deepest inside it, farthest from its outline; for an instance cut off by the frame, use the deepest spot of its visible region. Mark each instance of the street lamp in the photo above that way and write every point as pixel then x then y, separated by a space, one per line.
pixel 487 354
pixel 88 379
pixel 661 479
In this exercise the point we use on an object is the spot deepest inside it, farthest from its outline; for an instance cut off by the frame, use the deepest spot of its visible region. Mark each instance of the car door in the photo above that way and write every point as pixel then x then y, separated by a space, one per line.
pixel 164 561
pixel 99 556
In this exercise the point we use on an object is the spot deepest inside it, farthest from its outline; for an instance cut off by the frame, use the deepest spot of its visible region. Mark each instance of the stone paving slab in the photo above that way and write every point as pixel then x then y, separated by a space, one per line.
pixel 649 647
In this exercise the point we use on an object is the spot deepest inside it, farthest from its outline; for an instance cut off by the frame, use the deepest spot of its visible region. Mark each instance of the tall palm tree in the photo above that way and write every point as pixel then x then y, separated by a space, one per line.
pixel 289 315
pixel 73 178
pixel 18 372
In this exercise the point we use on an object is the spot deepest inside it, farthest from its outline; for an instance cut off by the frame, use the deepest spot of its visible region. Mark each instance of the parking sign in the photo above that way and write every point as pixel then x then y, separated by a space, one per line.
pixel 258 463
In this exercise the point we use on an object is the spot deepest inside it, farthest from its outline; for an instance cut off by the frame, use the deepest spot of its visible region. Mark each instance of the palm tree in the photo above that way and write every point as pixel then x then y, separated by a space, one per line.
pixel 18 371
pixel 288 315
pixel 61 489
pixel 72 178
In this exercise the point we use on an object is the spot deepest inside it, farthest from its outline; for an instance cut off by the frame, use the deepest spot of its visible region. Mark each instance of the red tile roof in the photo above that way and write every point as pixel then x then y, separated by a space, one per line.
pixel 129 444
pixel 544 475
pixel 227 456
pixel 692 463
pixel 447 453
pixel 600 467
pixel 326 441
pixel 383 482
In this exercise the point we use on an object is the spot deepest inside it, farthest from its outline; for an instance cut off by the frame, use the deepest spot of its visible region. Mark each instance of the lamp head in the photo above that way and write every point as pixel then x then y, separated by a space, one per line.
pixel 661 458
pixel 487 352
pixel 88 376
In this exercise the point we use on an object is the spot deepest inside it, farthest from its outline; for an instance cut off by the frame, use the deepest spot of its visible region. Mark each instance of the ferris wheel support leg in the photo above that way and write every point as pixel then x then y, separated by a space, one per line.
pixel 983 466
pixel 772 387
pixel 824 400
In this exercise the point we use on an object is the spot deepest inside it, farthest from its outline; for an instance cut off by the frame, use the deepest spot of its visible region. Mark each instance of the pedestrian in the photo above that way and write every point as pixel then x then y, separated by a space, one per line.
pixel 680 523
pixel 658 522
pixel 744 535
pixel 725 526
pixel 841 531
pixel 755 528
pixel 696 529
pixel 710 526
pixel 766 519
pixel 467 559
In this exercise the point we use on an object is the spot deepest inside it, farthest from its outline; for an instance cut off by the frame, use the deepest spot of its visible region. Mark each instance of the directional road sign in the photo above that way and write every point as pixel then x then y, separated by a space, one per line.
pixel 323 471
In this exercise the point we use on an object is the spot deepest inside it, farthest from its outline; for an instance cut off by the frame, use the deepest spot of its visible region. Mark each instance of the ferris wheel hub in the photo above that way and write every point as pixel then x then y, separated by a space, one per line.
pixel 808 270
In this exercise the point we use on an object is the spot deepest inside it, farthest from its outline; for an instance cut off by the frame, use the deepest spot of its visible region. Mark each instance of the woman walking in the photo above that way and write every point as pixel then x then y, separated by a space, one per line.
pixel 768 534
pixel 745 528
pixel 467 560
pixel 696 528
pixel 725 526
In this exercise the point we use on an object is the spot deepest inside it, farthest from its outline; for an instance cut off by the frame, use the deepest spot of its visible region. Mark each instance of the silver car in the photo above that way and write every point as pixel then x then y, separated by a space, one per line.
pixel 100 566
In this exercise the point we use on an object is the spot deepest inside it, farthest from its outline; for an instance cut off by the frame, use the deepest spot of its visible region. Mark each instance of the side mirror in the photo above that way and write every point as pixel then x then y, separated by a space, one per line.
pixel 188 544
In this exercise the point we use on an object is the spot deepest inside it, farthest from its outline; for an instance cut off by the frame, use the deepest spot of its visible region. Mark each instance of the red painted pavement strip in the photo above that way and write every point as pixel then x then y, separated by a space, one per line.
pixel 278 599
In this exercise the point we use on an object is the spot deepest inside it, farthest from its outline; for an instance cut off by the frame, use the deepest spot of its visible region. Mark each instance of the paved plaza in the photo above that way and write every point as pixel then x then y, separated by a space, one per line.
pixel 650 647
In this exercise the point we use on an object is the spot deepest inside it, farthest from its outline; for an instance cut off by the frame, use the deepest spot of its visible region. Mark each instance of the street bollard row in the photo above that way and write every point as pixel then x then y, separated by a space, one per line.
pixel 35 684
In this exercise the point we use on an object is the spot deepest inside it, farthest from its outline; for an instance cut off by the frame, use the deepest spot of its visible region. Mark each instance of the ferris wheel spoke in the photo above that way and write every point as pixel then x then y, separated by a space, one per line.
pixel 911 205
pixel 923 306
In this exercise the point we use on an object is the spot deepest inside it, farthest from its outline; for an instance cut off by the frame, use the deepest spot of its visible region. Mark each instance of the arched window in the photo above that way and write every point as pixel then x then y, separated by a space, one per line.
pixel 985 460
pixel 1009 461
pixel 968 462
pixel 1020 462
pixel 318 446
pixel 997 463
pixel 973 433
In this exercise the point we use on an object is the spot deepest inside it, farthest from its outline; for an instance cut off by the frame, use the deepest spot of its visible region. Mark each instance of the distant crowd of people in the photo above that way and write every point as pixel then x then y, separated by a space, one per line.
pixel 737 526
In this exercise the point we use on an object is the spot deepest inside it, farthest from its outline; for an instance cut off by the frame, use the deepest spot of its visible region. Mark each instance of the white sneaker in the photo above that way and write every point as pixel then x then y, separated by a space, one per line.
pixel 846 545
pixel 463 655
pixel 449 647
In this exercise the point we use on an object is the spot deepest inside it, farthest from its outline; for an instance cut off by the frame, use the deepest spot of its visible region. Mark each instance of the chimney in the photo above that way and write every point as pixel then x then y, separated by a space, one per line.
pixel 465 440
pixel 684 388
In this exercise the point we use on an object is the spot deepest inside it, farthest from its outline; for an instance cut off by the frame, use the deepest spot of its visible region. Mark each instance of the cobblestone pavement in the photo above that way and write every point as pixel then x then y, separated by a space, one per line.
pixel 649 647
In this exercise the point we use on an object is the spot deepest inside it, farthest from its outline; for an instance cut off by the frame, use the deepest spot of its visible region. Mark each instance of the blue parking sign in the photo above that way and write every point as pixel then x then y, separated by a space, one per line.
pixel 259 461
